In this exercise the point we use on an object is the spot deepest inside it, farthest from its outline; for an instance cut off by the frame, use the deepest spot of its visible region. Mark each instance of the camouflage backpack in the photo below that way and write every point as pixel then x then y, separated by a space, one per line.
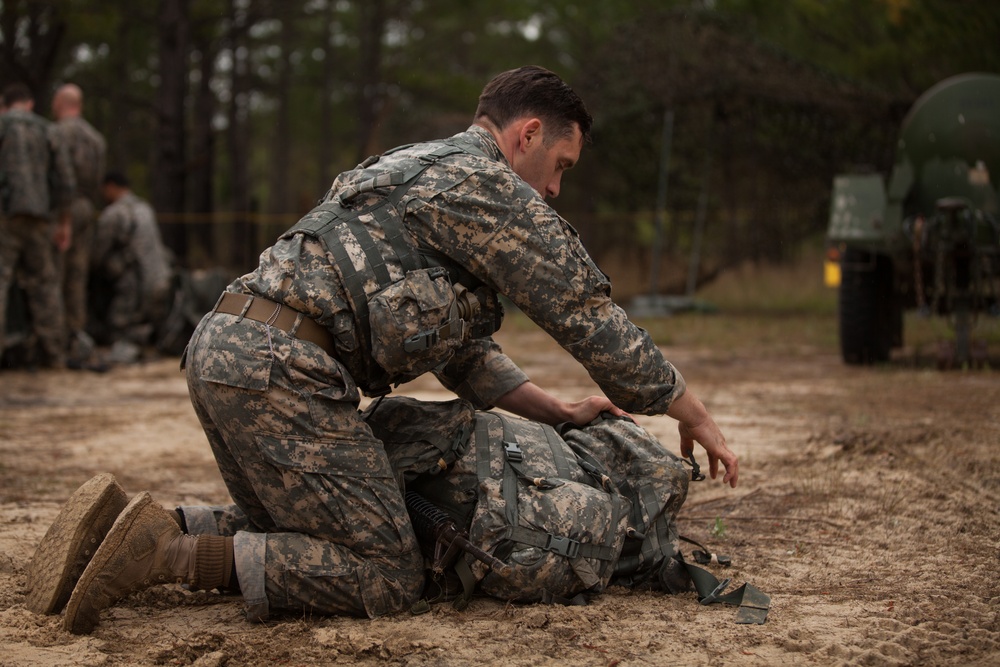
pixel 547 506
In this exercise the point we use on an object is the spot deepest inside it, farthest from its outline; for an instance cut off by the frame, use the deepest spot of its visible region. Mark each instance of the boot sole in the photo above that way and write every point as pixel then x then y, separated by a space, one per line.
pixel 71 542
pixel 82 618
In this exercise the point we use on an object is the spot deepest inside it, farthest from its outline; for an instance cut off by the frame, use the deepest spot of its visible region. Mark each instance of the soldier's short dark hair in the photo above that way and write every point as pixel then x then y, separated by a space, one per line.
pixel 116 178
pixel 534 91
pixel 17 92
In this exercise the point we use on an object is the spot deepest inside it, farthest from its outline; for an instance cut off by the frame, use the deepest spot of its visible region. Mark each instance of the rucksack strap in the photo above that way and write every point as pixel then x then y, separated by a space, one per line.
pixel 753 603
pixel 513 457
pixel 330 219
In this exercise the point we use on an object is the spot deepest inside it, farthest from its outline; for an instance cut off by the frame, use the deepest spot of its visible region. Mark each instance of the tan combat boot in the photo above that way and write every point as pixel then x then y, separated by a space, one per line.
pixel 71 542
pixel 146 547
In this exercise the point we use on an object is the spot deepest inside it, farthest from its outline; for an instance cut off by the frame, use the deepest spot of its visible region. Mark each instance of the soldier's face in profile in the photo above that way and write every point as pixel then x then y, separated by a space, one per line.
pixel 542 163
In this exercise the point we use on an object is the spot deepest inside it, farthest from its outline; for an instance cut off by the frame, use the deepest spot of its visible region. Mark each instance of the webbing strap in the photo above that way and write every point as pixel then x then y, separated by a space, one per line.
pixel 395 235
pixel 508 485
pixel 368 246
pixel 655 507
pixel 469 582
pixel 753 603
pixel 355 284
pixel 564 546
pixel 483 456
pixel 558 452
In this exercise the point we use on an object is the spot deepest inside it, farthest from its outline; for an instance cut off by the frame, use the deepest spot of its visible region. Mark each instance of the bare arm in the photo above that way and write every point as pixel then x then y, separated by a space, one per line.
pixel 530 401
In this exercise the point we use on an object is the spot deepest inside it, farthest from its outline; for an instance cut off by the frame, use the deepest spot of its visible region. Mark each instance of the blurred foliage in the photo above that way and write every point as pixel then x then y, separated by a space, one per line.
pixel 770 98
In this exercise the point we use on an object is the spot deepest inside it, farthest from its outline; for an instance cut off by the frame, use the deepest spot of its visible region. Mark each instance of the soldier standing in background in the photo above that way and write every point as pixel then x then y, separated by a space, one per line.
pixel 36 179
pixel 129 258
pixel 87 150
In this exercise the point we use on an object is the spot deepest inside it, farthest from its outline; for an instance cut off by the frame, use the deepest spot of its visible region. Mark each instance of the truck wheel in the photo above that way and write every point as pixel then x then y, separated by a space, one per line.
pixel 866 307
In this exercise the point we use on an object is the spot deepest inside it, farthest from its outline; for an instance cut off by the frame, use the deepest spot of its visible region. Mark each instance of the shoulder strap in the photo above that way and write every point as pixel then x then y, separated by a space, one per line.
pixel 334 217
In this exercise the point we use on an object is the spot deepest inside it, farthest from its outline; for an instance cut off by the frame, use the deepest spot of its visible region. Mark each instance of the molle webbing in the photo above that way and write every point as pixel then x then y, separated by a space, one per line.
pixel 513 472
pixel 331 219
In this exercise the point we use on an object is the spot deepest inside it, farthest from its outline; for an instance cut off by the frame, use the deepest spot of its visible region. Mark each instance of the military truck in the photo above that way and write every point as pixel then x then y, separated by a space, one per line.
pixel 928 239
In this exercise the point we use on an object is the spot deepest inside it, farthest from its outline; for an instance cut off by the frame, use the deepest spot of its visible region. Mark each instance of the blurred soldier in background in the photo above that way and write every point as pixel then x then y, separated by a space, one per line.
pixel 36 179
pixel 87 149
pixel 130 266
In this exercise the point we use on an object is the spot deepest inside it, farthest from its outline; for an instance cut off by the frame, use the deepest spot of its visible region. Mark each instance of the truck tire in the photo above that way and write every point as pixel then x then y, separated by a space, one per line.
pixel 866 306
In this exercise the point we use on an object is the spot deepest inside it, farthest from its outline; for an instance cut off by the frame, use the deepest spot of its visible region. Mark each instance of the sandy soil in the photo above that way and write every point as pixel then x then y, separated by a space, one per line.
pixel 867 509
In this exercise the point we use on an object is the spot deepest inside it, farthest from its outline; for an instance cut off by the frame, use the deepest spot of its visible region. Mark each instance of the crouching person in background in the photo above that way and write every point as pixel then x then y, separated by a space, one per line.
pixel 131 272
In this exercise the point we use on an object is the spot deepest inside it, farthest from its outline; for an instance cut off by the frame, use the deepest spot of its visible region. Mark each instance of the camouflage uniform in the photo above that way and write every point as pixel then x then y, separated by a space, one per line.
pixel 35 179
pixel 87 150
pixel 331 532
pixel 129 257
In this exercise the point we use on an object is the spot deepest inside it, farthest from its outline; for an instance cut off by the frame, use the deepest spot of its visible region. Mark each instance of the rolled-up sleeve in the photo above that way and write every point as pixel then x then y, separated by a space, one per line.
pixel 481 373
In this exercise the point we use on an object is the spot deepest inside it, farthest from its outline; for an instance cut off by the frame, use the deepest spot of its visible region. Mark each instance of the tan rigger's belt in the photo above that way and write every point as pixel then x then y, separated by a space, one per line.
pixel 276 315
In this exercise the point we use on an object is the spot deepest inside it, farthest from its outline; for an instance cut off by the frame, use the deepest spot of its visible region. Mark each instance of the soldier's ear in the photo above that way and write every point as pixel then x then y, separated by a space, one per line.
pixel 530 134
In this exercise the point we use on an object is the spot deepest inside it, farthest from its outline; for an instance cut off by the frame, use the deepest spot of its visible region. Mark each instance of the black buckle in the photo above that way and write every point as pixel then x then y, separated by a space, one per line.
pixel 696 474
pixel 563 546
pixel 513 452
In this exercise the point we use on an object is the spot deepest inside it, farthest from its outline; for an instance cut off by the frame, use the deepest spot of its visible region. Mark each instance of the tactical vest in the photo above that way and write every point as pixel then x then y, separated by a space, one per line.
pixel 410 325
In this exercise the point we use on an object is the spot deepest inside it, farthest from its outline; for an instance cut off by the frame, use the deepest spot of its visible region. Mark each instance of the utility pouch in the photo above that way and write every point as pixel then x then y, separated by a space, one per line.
pixel 418 322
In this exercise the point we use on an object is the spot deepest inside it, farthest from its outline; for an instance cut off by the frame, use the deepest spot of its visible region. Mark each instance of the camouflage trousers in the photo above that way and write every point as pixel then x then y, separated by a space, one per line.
pixel 134 311
pixel 319 522
pixel 26 243
pixel 74 266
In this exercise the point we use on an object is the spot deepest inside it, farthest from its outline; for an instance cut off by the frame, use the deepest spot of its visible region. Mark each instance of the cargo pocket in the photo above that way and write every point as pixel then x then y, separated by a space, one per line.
pixel 326 456
pixel 235 357
pixel 344 495
pixel 342 491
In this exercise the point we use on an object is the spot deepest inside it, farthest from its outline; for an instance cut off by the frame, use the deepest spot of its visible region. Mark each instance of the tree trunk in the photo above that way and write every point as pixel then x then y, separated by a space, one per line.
pixel 119 155
pixel 282 141
pixel 201 181
pixel 33 35
pixel 243 237
pixel 169 157
pixel 326 105
pixel 371 20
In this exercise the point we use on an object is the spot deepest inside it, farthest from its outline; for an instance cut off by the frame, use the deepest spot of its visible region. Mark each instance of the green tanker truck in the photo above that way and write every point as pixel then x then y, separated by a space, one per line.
pixel 927 239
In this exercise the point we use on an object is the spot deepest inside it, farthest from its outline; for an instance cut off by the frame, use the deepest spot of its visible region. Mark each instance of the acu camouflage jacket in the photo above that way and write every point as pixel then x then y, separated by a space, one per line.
pixel 476 212
pixel 36 177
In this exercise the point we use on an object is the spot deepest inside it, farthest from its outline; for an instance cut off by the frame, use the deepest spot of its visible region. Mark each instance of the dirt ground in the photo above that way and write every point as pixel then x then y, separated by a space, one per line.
pixel 868 508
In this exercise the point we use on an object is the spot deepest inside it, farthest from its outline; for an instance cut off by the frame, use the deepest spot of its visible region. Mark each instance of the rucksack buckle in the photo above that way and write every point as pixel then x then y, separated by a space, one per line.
pixel 513 452
pixel 563 546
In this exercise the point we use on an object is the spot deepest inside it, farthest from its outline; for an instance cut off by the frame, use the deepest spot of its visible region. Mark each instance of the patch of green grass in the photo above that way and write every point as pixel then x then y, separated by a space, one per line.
pixel 718 528
pixel 920 331
pixel 760 306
